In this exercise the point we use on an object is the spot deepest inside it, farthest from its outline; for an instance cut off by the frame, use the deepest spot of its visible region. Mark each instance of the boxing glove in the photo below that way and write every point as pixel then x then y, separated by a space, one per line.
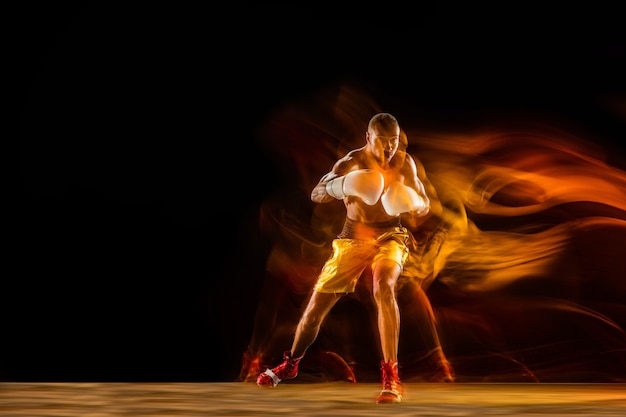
pixel 367 184
pixel 402 199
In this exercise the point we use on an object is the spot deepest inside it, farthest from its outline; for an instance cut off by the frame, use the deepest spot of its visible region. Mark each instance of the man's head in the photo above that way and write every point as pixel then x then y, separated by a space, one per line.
pixel 383 136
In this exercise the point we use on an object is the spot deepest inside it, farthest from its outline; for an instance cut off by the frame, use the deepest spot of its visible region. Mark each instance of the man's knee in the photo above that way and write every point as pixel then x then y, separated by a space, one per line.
pixel 384 286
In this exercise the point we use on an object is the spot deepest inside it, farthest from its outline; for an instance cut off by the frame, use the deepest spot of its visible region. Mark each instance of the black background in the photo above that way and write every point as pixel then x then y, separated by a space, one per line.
pixel 133 248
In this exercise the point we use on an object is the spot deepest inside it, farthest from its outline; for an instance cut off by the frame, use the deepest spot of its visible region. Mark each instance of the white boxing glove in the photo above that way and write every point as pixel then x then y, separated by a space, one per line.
pixel 402 199
pixel 367 184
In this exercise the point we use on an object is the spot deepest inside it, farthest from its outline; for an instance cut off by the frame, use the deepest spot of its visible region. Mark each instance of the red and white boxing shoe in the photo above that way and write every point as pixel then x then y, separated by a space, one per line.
pixel 286 370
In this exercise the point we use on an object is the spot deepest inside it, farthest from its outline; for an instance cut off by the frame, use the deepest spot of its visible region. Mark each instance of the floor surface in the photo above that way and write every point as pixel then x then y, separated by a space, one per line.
pixel 305 399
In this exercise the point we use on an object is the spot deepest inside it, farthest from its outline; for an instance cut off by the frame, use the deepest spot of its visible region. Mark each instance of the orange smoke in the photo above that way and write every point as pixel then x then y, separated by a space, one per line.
pixel 524 263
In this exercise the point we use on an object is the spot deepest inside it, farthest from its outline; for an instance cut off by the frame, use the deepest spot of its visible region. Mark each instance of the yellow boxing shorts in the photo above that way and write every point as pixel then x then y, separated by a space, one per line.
pixel 350 257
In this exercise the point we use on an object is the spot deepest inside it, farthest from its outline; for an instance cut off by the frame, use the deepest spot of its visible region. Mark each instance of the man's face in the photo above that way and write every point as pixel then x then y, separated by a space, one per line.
pixel 384 142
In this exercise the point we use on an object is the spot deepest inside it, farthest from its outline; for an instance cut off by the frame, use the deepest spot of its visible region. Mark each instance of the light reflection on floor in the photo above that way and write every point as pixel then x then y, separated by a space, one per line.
pixel 317 399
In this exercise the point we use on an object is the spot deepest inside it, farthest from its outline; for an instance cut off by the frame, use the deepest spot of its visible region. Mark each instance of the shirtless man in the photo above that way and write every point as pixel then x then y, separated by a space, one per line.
pixel 377 184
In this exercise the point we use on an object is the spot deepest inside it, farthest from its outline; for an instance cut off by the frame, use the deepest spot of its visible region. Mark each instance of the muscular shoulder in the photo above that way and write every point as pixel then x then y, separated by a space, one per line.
pixel 404 162
pixel 351 161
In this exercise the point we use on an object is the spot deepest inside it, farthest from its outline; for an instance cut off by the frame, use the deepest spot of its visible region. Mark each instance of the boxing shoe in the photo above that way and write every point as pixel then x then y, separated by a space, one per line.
pixel 286 370
pixel 392 387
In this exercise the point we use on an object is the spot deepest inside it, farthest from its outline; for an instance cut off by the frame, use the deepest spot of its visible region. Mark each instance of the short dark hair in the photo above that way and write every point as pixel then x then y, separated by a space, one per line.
pixel 387 120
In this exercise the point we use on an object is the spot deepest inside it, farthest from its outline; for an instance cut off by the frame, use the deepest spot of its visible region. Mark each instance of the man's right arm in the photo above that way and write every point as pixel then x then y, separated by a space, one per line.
pixel 319 193
pixel 366 184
